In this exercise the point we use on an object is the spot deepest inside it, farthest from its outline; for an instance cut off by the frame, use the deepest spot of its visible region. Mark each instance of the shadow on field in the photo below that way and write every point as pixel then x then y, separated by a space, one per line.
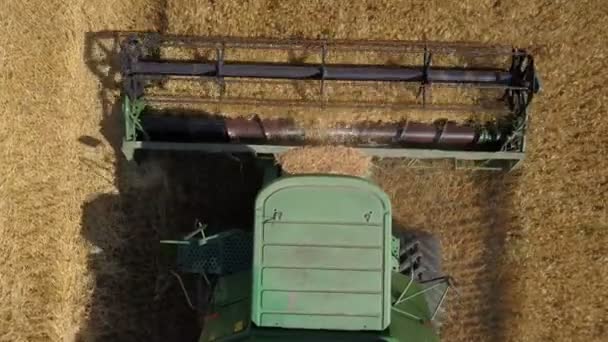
pixel 473 215
pixel 161 197
pixel 497 222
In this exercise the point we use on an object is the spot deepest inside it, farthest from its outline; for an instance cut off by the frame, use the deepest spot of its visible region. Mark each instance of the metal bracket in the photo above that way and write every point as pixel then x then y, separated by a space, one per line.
pixel 425 85
pixel 438 281
pixel 132 110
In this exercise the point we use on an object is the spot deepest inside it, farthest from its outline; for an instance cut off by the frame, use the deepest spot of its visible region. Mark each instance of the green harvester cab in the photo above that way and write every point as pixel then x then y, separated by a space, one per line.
pixel 322 264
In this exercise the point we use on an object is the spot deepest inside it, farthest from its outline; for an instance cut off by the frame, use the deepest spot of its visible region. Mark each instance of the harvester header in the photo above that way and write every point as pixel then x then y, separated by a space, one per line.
pixel 507 74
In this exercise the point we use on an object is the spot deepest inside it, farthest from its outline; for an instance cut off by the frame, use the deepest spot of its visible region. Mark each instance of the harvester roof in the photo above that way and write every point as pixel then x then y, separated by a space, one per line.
pixel 322 254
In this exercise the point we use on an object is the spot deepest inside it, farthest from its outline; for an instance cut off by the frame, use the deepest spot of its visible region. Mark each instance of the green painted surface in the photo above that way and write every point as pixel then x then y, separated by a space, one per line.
pixel 232 288
pixel 299 335
pixel 417 305
pixel 229 319
pixel 132 110
pixel 404 328
pixel 227 322
pixel 481 160
pixel 316 280
pixel 231 310
pixel 322 254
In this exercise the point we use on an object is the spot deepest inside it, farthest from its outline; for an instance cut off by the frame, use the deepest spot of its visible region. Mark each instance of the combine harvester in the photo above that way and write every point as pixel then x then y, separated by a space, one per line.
pixel 321 262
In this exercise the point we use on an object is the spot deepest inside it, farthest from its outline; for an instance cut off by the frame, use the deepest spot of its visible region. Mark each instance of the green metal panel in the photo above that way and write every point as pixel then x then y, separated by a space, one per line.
pixel 403 327
pixel 229 315
pixel 315 280
pixel 229 320
pixel 322 254
pixel 479 160
pixel 232 288
pixel 300 335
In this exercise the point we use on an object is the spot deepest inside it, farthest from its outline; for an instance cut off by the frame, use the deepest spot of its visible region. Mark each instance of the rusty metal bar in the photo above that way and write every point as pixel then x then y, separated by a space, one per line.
pixel 281 131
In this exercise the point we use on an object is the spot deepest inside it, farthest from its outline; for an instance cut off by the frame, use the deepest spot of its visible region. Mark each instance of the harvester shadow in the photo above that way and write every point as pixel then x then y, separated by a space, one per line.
pixel 486 295
pixel 159 198
pixel 101 55
pixel 479 240
pixel 500 220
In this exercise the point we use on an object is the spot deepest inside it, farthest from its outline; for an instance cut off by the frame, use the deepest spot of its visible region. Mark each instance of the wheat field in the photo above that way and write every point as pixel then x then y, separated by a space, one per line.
pixel 78 226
